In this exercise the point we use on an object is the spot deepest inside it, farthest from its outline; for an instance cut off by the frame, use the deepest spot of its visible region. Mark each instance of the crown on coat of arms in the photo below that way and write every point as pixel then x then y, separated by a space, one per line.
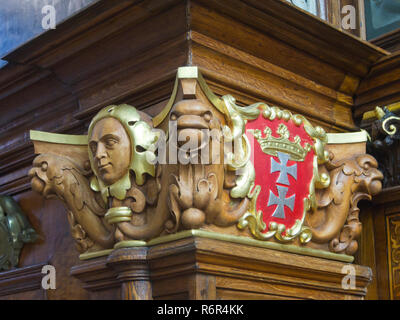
pixel 271 145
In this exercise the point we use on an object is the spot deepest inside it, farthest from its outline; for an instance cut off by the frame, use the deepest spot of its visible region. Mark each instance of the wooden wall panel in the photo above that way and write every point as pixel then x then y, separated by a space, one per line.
pixel 380 87
pixel 367 248
pixel 379 250
pixel 393 242
pixel 55 245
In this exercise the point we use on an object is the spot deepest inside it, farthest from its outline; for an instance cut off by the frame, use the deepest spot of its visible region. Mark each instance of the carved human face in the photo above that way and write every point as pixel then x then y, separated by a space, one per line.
pixel 111 150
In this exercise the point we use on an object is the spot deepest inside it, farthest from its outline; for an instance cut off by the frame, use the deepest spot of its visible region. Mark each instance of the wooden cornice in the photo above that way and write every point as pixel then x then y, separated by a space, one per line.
pixel 96 275
pixel 389 42
pixel 305 32
pixel 21 280
pixel 276 17
pixel 388 196
pixel 89 21
pixel 380 87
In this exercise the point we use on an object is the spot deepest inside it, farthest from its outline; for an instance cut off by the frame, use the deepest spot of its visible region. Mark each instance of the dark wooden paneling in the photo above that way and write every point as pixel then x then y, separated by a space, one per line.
pixel 389 42
pixel 380 87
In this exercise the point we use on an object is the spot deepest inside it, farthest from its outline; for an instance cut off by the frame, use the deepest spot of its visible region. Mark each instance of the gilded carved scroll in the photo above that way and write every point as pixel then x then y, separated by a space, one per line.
pixel 205 163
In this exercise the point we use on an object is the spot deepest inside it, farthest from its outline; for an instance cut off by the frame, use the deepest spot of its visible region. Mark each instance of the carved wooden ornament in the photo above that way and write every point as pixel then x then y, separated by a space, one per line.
pixel 15 231
pixel 205 163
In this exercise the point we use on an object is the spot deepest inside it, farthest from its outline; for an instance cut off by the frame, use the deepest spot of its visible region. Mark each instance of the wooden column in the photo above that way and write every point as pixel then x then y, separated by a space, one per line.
pixel 132 270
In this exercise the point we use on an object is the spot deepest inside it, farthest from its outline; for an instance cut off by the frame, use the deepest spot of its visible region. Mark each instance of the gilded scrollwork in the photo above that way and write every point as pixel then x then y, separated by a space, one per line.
pixel 234 132
pixel 384 144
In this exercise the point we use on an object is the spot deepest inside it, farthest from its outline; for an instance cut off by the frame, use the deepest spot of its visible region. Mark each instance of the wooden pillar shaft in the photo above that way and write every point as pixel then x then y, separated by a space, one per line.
pixel 132 270
pixel 136 290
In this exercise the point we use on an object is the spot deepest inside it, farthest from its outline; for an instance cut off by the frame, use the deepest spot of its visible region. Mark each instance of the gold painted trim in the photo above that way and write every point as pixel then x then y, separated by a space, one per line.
pixel 96 254
pixel 239 240
pixel 118 214
pixel 348 137
pixel 58 138
pixel 392 128
pixel 188 73
pixel 394 107
pixel 158 119
pixel 130 244
pixel 192 72
pixel 235 130
pixel 376 114
pixel 215 100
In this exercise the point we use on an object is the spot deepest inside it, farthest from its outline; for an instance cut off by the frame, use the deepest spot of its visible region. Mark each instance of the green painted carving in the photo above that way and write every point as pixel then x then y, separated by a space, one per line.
pixel 15 230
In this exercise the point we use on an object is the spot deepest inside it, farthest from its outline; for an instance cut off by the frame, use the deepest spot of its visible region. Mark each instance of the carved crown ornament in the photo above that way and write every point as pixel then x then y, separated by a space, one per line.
pixel 206 165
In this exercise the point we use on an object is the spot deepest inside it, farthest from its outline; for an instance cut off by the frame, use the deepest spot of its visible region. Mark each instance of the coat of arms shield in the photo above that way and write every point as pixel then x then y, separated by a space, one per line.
pixel 286 153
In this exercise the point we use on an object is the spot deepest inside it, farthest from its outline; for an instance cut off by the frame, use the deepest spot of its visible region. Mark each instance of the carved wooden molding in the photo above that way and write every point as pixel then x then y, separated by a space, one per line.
pixel 196 267
pixel 389 41
pixel 122 184
pixel 21 280
pixel 96 275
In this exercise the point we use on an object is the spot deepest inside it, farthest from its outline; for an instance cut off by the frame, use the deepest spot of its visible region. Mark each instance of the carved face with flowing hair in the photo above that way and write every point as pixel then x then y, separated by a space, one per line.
pixel 120 143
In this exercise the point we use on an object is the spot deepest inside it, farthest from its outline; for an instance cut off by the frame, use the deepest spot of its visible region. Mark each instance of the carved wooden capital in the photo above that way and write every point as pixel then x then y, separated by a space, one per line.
pixel 205 162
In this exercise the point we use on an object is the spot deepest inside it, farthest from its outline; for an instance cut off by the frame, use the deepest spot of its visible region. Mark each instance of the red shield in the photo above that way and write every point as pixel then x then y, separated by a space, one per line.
pixel 283 162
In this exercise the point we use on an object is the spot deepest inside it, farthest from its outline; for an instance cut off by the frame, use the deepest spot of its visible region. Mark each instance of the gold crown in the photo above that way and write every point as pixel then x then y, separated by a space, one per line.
pixel 271 145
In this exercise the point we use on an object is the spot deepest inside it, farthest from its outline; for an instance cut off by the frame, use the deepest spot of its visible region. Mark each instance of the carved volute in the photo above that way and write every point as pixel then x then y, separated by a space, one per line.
pixel 206 163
